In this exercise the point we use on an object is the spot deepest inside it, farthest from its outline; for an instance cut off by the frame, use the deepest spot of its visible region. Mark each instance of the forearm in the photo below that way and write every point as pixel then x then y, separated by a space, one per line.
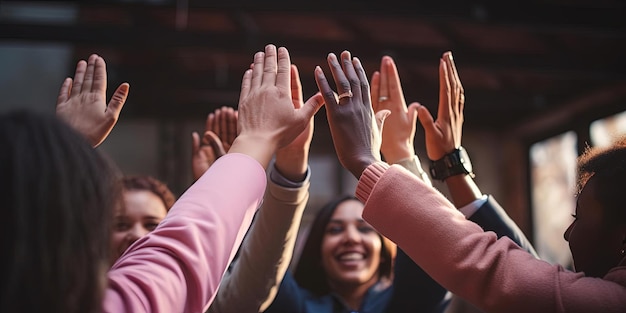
pixel 266 252
pixel 178 266
pixel 292 163
pixel 463 190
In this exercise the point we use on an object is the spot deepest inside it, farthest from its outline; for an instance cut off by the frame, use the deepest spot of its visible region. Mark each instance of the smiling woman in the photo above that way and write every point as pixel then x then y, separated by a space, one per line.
pixel 347 266
pixel 343 254
pixel 146 203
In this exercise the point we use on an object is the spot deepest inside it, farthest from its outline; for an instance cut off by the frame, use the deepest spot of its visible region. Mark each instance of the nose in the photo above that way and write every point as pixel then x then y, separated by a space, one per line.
pixel 135 232
pixel 568 231
pixel 352 235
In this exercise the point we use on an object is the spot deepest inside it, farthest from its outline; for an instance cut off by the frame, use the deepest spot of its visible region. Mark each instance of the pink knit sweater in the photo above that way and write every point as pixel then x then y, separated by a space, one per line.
pixel 495 275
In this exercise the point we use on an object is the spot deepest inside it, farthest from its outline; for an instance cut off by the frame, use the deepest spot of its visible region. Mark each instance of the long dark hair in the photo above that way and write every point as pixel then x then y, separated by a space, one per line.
pixel 58 195
pixel 309 272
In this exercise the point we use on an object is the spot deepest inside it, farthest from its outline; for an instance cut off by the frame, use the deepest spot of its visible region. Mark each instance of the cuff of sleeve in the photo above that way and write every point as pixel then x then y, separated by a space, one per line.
pixel 469 209
pixel 414 165
pixel 277 178
pixel 368 179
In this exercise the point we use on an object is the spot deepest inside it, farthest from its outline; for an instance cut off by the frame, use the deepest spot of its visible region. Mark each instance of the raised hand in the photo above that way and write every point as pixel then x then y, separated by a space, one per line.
pixel 400 125
pixel 267 117
pixel 356 132
pixel 220 132
pixel 444 134
pixel 292 160
pixel 82 101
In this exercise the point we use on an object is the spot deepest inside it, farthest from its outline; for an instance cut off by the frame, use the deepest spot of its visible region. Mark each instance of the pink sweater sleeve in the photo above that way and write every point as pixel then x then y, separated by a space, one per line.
pixel 178 267
pixel 495 275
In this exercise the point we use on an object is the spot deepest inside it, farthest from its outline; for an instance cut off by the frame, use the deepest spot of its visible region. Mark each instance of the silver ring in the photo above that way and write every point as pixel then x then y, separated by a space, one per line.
pixel 382 99
pixel 347 94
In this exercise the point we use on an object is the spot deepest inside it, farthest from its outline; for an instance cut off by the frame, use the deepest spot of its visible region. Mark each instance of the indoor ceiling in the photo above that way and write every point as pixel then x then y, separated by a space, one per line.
pixel 521 63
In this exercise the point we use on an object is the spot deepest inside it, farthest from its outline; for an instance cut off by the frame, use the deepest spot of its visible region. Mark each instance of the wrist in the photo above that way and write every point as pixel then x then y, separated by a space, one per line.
pixel 359 166
pixel 454 163
pixel 393 156
pixel 258 147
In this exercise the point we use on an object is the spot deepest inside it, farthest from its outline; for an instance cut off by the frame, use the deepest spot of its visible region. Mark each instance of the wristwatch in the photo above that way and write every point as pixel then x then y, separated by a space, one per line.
pixel 454 163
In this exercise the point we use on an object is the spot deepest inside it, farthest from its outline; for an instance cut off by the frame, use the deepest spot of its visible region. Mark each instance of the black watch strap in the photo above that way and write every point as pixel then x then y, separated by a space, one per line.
pixel 456 162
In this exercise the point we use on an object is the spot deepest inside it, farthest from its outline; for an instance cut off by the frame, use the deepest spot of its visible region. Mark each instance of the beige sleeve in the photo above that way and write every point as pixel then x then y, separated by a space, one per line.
pixel 252 283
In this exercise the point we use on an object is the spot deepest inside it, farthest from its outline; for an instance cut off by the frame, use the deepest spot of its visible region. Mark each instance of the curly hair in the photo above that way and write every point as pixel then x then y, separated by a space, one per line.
pixel 149 183
pixel 607 166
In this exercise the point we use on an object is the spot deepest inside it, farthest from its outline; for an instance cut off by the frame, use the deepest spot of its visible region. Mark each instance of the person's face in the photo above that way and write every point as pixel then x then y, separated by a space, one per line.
pixel 594 243
pixel 350 247
pixel 143 211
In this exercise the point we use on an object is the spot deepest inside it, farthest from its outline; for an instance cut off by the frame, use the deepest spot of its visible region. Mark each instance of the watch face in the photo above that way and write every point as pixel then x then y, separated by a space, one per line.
pixel 465 160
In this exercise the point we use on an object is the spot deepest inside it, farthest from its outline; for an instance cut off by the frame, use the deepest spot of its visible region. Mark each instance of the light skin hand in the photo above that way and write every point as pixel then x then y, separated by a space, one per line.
pixel 444 134
pixel 355 130
pixel 82 101
pixel 267 118
pixel 292 160
pixel 400 126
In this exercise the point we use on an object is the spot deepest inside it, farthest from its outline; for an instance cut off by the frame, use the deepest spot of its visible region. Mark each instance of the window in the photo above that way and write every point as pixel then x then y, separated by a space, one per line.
pixel 603 131
pixel 553 174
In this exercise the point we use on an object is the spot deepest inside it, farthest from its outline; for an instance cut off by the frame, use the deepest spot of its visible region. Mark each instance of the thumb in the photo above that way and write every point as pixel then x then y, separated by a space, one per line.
pixel 118 99
pixel 312 105
pixel 215 142
pixel 425 118
pixel 380 118
pixel 412 111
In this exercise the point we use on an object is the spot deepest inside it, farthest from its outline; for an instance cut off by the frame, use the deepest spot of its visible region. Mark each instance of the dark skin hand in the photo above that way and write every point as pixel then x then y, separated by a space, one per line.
pixel 355 130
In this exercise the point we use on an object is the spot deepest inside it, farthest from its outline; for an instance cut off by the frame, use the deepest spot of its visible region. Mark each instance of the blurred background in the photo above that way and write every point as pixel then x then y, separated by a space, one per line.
pixel 543 80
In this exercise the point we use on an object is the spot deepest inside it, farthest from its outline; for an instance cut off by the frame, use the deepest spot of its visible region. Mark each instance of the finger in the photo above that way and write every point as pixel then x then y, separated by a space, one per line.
pixel 283 75
pixel 270 66
pixel 444 92
pixel 118 100
pixel 64 93
pixel 380 117
pixel 412 111
pixel 216 121
pixel 393 81
pixel 311 106
pixel 99 76
pixel 327 93
pixel 79 76
pixel 91 65
pixel 347 63
pixel 453 70
pixel 257 69
pixel 375 88
pixel 195 143
pixel 231 133
pixel 215 142
pixel 210 121
pixel 459 86
pixel 384 77
pixel 426 119
pixel 246 84
pixel 296 87
pixel 341 81
pixel 223 122
pixel 364 87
